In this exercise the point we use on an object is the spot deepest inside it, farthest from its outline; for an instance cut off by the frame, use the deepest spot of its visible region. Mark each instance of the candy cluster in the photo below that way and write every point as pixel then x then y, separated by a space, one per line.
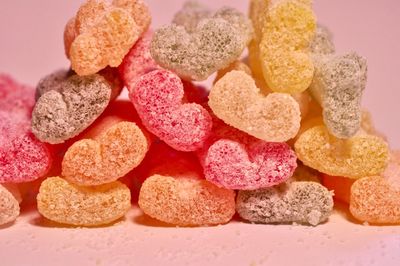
pixel 277 136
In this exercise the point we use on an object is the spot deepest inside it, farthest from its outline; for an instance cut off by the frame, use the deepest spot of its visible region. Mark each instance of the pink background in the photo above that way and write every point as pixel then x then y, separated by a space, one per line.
pixel 31 46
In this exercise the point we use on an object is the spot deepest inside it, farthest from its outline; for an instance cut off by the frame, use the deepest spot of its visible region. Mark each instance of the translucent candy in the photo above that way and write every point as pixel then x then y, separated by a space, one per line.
pixel 238 102
pixel 66 203
pixel 375 200
pixel 340 186
pixel 338 85
pixel 186 202
pixel 322 42
pixel 115 151
pixel 157 97
pixel 138 61
pixel 359 156
pixel 15 97
pixel 295 202
pixel 68 106
pixel 103 33
pixel 215 43
pixel 9 206
pixel 287 29
pixel 230 164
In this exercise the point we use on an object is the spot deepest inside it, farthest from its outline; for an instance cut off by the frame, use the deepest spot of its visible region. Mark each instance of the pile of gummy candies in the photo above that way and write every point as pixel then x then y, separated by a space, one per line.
pixel 276 138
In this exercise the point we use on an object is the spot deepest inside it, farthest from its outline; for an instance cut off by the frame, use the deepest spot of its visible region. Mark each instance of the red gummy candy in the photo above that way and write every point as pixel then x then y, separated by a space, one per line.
pixel 15 97
pixel 157 97
pixel 23 158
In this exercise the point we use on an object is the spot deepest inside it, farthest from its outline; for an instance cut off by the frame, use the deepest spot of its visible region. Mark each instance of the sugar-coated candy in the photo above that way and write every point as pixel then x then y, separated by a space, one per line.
pixel 186 202
pixel 216 42
pixel 287 31
pixel 375 200
pixel 338 85
pixel 14 190
pixel 157 97
pixel 340 186
pixel 359 156
pixel 295 202
pixel 230 164
pixel 69 107
pixel 236 100
pixel 15 97
pixel 66 203
pixel 102 33
pixel 237 65
pixel 191 14
pixel 322 42
pixel 305 173
pixel 22 157
pixel 111 154
pixel 138 61
pixel 9 206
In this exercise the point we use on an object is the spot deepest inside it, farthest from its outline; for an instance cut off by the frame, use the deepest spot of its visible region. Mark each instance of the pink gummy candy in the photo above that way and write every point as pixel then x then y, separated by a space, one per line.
pixel 138 61
pixel 157 97
pixel 232 165
pixel 15 97
pixel 23 158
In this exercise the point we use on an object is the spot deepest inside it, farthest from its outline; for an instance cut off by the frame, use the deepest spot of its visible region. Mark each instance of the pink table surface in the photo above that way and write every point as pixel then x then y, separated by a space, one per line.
pixel 31 46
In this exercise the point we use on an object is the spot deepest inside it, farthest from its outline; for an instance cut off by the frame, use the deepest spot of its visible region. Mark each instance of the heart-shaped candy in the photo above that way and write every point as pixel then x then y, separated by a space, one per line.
pixel 157 97
pixel 236 100
pixel 67 109
pixel 110 155
pixel 216 42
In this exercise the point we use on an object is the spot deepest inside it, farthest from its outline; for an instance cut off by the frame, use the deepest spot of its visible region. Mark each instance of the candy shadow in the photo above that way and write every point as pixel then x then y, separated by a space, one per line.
pixel 41 221
pixel 7 225
pixel 342 209
pixel 146 220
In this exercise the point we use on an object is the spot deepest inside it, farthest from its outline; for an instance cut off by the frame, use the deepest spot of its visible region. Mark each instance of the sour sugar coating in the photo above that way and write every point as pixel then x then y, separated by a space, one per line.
pixel 340 186
pixel 69 107
pixel 186 202
pixel 138 61
pixel 15 97
pixel 322 42
pixel 237 65
pixel 65 203
pixel 157 97
pixel 375 200
pixel 9 206
pixel 236 100
pixel 296 202
pixel 359 156
pixel 112 154
pixel 288 30
pixel 216 42
pixel 338 85
pixel 191 14
pixel 102 33
pixel 232 165
pixel 22 157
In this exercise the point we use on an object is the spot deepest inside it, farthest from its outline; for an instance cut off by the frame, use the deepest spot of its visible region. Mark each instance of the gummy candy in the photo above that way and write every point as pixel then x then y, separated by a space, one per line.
pixel 338 85
pixel 157 97
pixel 14 190
pixel 67 109
pixel 114 152
pixel 104 33
pixel 322 42
pixel 359 156
pixel 296 202
pixel 22 157
pixel 15 97
pixel 9 206
pixel 66 203
pixel 232 165
pixel 340 186
pixel 304 173
pixel 374 200
pixel 138 61
pixel 237 65
pixel 190 15
pixel 238 102
pixel 216 42
pixel 186 202
pixel 287 29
